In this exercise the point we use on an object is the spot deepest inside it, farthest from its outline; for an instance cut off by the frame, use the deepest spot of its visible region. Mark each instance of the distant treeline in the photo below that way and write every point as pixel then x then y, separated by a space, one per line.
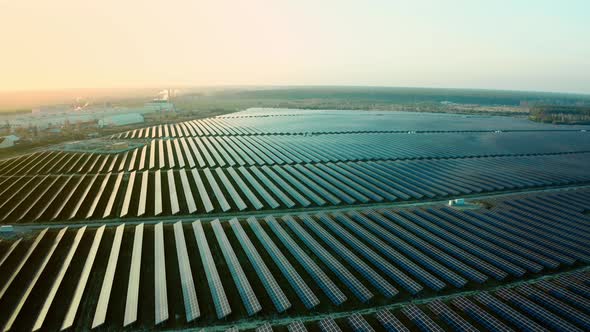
pixel 410 95
pixel 561 114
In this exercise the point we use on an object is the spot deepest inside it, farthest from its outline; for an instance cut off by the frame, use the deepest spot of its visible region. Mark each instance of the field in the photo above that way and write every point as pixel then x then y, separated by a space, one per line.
pixel 300 219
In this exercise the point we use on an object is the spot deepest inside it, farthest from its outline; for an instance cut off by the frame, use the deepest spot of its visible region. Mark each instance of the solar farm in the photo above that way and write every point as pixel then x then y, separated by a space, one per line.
pixel 296 220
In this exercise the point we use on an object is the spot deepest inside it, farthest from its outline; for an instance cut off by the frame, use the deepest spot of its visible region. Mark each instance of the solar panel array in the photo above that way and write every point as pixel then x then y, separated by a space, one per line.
pixel 555 302
pixel 271 161
pixel 139 193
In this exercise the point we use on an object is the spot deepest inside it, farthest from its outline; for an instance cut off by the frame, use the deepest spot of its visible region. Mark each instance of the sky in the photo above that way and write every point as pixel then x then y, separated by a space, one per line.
pixel 518 44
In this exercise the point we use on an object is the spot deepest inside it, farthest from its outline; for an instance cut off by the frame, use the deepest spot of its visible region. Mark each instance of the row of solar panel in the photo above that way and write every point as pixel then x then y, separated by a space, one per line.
pixel 559 303
pixel 236 151
pixel 31 198
pixel 193 128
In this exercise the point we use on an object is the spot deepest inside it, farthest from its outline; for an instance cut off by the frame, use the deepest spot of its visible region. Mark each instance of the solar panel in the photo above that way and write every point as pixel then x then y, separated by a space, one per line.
pixel 247 294
pixel 320 181
pixel 358 324
pixel 441 243
pixel 213 151
pixel 352 259
pixel 49 201
pixel 245 189
pixel 98 195
pixel 359 290
pixel 160 292
pixel 202 191
pixel 336 179
pixel 187 153
pixel 9 251
pixel 170 154
pixel 265 195
pixel 58 279
pixel 231 190
pixel 420 318
pixel 479 315
pixel 174 207
pixel 311 184
pixel 178 153
pixel 266 327
pixel 128 194
pixel 559 307
pixel 484 222
pixel 208 157
pixel 297 184
pixel 161 160
pixel 22 262
pixel 152 158
pixel 534 310
pixel 494 244
pixel 191 305
pixel 188 194
pixel 394 256
pixel 398 243
pixel 450 317
pixel 271 286
pixel 132 161
pixel 157 193
pixel 216 190
pixel 132 300
pixel 368 189
pixel 296 326
pixel 30 201
pixel 464 244
pixel 222 307
pixel 286 187
pixel 24 193
pixel 328 325
pixel 224 153
pixel 565 295
pixel 121 163
pixel 81 286
pixel 25 295
pixel 109 276
pixel 327 285
pixel 275 190
pixel 143 194
pixel 389 322
pixel 507 313
pixel 195 150
pixel 301 288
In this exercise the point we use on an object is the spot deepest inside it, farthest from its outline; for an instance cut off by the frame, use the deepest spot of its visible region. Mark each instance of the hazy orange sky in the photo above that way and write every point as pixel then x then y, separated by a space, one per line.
pixel 518 44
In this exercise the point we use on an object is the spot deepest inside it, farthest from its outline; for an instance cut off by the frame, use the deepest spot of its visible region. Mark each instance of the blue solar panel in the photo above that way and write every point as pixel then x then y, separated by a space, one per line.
pixel 573 315
pixel 442 244
pixel 245 290
pixel 433 226
pixel 450 317
pixel 479 315
pixel 421 320
pixel 327 285
pixel 542 315
pixel 508 314
pixel 386 250
pixel 359 290
pixel 270 284
pixel 301 288
pixel 353 260
pixel 389 322
pixel 358 324
pixel 398 243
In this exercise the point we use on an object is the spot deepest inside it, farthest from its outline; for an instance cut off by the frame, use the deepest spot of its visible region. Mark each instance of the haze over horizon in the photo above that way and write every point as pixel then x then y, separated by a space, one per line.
pixel 507 45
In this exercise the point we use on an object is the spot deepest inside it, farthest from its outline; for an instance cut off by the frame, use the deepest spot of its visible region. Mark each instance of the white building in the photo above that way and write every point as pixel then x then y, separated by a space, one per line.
pixel 120 120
